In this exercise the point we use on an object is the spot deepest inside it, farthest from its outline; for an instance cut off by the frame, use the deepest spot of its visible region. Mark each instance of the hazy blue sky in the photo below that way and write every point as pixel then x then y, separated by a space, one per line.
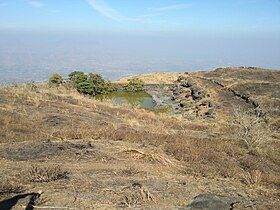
pixel 216 16
pixel 121 37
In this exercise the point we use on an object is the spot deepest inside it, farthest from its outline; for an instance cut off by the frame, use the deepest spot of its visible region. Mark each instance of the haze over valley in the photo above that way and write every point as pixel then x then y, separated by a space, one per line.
pixel 26 56
pixel 120 38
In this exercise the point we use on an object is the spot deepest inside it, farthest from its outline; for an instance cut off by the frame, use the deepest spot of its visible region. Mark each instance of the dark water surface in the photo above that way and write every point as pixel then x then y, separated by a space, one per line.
pixel 141 99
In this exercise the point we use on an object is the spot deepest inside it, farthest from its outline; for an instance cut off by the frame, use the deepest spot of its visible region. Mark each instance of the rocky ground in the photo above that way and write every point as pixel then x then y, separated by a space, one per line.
pixel 59 149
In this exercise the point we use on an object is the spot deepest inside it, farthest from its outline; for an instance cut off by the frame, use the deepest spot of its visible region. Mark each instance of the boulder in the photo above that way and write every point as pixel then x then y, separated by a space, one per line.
pixel 211 202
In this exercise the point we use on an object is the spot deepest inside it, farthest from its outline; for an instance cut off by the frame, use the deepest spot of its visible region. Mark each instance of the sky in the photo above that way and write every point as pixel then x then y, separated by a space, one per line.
pixel 118 37
pixel 231 17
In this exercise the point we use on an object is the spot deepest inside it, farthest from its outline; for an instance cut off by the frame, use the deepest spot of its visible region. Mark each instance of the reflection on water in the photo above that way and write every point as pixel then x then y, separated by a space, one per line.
pixel 141 99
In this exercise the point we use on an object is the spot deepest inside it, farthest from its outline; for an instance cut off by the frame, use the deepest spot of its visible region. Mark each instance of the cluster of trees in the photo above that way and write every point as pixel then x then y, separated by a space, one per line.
pixel 93 84
pixel 134 84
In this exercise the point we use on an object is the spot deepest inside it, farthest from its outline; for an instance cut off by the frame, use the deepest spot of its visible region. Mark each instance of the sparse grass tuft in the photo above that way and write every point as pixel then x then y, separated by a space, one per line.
pixel 47 173
pixel 136 195
pixel 131 171
pixel 253 177
pixel 8 186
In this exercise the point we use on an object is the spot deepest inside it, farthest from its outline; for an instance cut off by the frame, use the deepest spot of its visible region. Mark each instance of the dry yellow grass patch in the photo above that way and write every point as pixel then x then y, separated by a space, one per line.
pixel 154 78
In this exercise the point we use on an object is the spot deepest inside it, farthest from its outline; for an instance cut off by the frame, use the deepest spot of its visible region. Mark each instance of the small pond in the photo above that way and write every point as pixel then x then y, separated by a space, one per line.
pixel 141 99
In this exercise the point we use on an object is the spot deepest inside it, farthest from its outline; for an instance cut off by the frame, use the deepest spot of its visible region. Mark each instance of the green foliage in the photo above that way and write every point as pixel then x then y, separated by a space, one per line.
pixel 92 84
pixel 134 84
pixel 77 77
pixel 56 79
pixel 86 87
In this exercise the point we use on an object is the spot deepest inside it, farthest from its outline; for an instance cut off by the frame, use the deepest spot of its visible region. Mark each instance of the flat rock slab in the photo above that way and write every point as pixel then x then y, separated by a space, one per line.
pixel 211 202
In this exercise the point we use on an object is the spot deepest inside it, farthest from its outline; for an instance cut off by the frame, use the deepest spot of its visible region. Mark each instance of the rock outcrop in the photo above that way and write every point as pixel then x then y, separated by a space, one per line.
pixel 192 100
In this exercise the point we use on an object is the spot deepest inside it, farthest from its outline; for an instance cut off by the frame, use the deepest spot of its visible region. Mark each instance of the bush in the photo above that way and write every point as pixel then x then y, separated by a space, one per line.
pixel 77 77
pixel 134 84
pixel 252 129
pixel 92 84
pixel 86 87
pixel 56 79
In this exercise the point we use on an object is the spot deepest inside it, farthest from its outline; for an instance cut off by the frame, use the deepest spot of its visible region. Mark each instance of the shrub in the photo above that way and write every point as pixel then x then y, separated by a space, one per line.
pixel 86 87
pixel 134 84
pixel 77 77
pixel 92 84
pixel 252 178
pixel 47 174
pixel 136 195
pixel 252 129
pixel 56 79
pixel 100 85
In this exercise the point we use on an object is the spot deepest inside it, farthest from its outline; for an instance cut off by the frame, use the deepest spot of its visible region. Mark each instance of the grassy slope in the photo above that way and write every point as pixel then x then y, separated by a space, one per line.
pixel 154 78
pixel 106 149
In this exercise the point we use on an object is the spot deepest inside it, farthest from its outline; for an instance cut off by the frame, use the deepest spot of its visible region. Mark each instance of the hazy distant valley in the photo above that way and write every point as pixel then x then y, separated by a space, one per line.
pixel 25 57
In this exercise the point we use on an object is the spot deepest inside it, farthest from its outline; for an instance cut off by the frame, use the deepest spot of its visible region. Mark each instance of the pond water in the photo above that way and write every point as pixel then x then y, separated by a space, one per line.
pixel 141 99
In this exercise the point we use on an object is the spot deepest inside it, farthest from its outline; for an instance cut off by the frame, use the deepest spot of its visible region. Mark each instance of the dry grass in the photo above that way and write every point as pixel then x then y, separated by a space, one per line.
pixel 147 156
pixel 154 78
pixel 135 195
pixel 8 187
pixel 47 173
pixel 252 178
pixel 64 115
pixel 252 129
pixel 124 139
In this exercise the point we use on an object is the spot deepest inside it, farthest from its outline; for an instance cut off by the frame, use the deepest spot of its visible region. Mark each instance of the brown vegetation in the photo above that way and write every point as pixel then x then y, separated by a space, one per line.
pixel 47 173
pixel 121 156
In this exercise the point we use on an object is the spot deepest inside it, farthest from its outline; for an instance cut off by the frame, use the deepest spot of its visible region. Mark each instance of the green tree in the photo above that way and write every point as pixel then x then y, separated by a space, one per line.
pixel 134 84
pixel 86 88
pixel 91 84
pixel 77 77
pixel 100 85
pixel 55 79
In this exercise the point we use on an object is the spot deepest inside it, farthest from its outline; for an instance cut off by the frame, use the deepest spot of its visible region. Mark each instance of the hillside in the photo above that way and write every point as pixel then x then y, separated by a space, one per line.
pixel 154 78
pixel 59 148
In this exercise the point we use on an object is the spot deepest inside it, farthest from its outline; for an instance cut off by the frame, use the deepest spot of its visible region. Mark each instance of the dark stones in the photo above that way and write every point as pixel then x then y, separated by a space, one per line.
pixel 207 103
pixel 187 84
pixel 191 99
pixel 211 202
pixel 177 91
pixel 210 104
pixel 188 93
pixel 195 95
pixel 180 78
pixel 209 113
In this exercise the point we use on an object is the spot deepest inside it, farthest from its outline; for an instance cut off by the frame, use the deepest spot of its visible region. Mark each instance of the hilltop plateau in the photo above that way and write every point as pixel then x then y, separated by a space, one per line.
pixel 211 142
